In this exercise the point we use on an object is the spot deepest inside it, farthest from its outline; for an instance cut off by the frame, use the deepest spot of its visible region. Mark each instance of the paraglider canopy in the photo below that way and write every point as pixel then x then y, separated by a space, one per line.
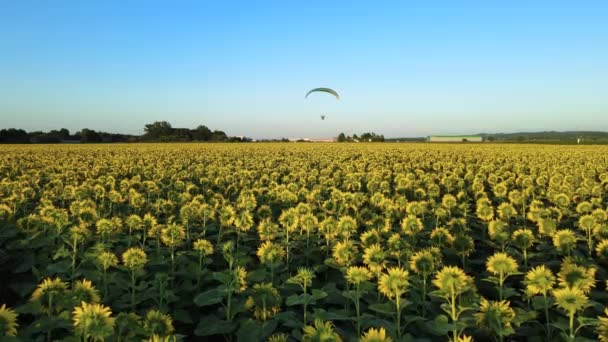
pixel 322 117
pixel 324 90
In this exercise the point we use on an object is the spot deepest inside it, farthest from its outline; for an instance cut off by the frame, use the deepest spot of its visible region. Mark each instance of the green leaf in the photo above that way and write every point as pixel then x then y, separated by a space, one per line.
pixel 223 277
pixel 384 308
pixel 210 297
pixel 211 325
pixel 318 294
pixel 182 316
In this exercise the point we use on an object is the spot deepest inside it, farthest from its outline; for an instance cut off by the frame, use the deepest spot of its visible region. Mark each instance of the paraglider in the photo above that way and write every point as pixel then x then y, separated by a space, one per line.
pixel 324 90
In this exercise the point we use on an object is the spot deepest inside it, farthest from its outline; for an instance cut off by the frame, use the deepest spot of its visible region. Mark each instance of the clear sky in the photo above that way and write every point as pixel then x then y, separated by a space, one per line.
pixel 403 68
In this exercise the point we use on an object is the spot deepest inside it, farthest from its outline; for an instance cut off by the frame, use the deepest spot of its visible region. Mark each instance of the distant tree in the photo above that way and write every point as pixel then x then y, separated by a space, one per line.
pixel 14 136
pixel 158 129
pixel 491 138
pixel 201 133
pixel 341 137
pixel 219 136
pixel 89 136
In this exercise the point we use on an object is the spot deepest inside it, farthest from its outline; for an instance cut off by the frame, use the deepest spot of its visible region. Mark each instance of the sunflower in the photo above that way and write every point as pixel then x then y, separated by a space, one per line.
pixel 134 259
pixel 496 316
pixel 602 328
pixel 506 211
pixel 267 230
pixel 357 274
pixel 303 278
pixel 584 207
pixel 484 211
pixel 539 280
pixel 561 200
pixel 345 252
pixel 564 241
pixel 8 321
pixel 441 237
pixel 158 323
pixel 463 244
pixel 270 253
pixel 347 225
pixel 264 301
pixel 573 275
pixel 128 325
pixel 375 335
pixel 321 331
pixel 374 257
pixel 93 321
pixel 173 235
pixel 602 249
pixel 586 222
pixel 570 299
pixel 239 276
pixel 523 238
pixel 84 291
pixel 370 237
pixel 423 262
pixel 498 231
pixel 106 260
pixel 394 283
pixel 203 246
pixel 451 278
pixel 243 221
pixel 47 292
pixel 501 264
pixel 278 338
pixel 411 225
pixel 546 227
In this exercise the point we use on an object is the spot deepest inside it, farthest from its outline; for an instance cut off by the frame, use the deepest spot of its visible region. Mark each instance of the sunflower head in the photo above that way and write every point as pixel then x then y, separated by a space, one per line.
pixel 204 247
pixel 495 316
pixel 423 262
pixel 570 299
pixel 394 283
pixel 501 264
pixel 602 249
pixel 441 237
pixel 584 207
pixel 573 275
pixel 49 291
pixel 93 321
pixel 586 222
pixel 370 237
pixel 374 257
pixel 452 278
pixel 376 335
pixel 106 259
pixel 564 241
pixel 546 227
pixel 134 259
pixel 539 280
pixel 357 274
pixel 345 252
pixel 320 331
pixel 264 302
pixel 303 278
pixel 8 321
pixel 602 328
pixel 173 235
pixel 523 238
pixel 506 211
pixel 411 225
pixel 158 323
pixel 463 244
pixel 240 279
pixel 278 338
pixel 84 291
pixel 270 253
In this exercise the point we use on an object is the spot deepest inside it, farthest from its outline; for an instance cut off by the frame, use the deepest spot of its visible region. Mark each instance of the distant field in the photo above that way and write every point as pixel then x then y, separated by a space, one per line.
pixel 294 241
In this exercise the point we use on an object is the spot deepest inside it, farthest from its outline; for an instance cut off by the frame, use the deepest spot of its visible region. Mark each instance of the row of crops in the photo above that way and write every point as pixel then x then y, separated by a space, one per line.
pixel 282 242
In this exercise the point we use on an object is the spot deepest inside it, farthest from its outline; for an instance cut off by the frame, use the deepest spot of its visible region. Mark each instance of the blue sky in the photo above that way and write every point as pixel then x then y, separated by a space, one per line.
pixel 403 68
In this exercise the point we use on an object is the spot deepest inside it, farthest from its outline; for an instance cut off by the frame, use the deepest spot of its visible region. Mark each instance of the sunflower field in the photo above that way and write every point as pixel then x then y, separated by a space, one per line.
pixel 303 242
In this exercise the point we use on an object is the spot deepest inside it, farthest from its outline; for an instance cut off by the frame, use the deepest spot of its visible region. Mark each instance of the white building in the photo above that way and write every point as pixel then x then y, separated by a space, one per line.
pixel 455 138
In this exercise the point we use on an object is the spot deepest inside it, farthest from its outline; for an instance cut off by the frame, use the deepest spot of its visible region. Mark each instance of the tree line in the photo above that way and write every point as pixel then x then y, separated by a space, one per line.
pixel 159 131
pixel 364 137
